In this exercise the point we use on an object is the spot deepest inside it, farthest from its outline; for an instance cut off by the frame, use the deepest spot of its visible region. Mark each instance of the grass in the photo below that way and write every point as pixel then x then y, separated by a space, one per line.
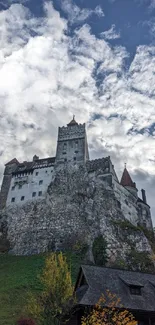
pixel 18 275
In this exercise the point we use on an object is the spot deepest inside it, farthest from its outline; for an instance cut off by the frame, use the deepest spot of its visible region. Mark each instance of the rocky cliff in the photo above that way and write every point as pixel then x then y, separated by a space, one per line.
pixel 79 206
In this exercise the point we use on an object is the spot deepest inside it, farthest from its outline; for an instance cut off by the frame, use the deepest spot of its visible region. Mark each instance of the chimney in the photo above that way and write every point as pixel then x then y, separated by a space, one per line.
pixel 143 196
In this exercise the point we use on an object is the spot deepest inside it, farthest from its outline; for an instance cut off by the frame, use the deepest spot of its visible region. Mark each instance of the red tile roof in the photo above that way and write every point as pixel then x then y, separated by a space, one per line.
pixel 126 179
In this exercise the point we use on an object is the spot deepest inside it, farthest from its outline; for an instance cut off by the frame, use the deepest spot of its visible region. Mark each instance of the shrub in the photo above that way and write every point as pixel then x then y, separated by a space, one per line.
pixel 26 321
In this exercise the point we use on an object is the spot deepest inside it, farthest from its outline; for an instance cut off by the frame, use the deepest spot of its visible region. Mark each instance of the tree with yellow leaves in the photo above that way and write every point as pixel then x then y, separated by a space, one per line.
pixel 108 311
pixel 57 295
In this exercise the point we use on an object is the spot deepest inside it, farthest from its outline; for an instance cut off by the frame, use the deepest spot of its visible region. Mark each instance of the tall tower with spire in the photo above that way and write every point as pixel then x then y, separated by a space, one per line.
pixel 143 209
pixel 127 182
pixel 72 144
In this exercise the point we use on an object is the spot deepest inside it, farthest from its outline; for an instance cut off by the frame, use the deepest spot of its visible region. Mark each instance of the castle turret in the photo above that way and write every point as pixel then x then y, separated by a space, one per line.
pixel 127 182
pixel 10 167
pixel 72 144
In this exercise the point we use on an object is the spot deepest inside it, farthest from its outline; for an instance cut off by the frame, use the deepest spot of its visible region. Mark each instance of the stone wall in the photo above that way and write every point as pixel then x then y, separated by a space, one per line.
pixel 79 206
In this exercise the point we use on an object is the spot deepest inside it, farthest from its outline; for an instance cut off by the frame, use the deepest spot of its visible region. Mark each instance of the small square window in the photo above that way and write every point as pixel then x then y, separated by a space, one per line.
pixel 46 172
pixel 33 194
pixel 37 173
pixel 64 152
pixel 13 187
pixel 20 186
pixel 40 193
pixel 13 199
pixel 65 159
pixel 74 158
pixel 76 151
pixel 22 198
pixel 40 182
pixel 135 290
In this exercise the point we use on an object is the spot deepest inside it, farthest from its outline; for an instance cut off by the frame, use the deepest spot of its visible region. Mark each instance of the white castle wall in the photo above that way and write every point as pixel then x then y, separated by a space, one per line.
pixel 127 202
pixel 29 183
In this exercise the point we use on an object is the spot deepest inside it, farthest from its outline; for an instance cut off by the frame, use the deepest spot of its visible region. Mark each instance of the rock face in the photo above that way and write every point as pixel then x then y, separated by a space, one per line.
pixel 79 206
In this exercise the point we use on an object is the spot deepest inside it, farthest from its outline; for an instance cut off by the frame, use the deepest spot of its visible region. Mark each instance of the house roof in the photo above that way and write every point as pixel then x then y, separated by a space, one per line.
pixel 141 201
pixel 13 161
pixel 99 279
pixel 126 179
pixel 72 122
pixel 31 165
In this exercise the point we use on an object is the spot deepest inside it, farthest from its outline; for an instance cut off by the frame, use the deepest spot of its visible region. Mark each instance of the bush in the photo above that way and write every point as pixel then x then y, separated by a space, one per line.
pixel 26 321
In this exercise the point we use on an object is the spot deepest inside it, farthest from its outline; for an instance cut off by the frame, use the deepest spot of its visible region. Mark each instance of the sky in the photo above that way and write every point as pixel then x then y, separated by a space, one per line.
pixel 91 58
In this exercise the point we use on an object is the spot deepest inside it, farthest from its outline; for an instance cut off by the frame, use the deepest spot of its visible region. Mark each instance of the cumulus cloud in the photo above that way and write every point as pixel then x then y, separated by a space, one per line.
pixel 111 33
pixel 46 75
pixel 76 14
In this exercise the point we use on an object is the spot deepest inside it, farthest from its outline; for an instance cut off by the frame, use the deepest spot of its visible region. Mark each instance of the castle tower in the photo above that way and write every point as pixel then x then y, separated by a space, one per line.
pixel 10 167
pixel 144 213
pixel 72 144
pixel 127 182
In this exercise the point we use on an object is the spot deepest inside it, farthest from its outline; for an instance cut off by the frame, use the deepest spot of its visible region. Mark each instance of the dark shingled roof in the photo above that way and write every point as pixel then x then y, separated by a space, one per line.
pixel 99 279
pixel 13 161
pixel 141 201
pixel 72 122
pixel 126 179
pixel 31 165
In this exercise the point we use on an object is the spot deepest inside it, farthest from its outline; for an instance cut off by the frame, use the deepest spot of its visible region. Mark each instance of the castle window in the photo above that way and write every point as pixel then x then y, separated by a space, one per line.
pixel 40 193
pixel 37 173
pixel 76 151
pixel 33 194
pixel 74 158
pixel 41 182
pixel 13 187
pixel 64 146
pixel 13 199
pixel 20 186
pixel 64 152
pixel 46 172
pixel 22 198
pixel 135 290
pixel 65 159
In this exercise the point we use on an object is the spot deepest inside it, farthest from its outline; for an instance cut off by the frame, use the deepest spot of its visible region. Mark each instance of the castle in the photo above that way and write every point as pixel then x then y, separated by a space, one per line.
pixel 70 188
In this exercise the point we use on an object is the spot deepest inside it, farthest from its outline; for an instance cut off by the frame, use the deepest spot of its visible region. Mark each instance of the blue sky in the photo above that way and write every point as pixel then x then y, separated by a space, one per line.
pixel 93 59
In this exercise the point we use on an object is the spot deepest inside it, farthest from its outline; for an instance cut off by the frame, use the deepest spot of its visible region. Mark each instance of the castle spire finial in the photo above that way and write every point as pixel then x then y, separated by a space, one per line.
pixel 73 117
pixel 125 165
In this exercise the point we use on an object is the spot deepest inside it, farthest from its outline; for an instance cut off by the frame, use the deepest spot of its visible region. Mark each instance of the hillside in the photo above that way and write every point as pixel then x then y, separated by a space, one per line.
pixel 18 275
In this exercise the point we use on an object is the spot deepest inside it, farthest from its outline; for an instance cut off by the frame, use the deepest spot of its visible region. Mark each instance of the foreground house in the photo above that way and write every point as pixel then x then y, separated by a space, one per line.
pixel 135 289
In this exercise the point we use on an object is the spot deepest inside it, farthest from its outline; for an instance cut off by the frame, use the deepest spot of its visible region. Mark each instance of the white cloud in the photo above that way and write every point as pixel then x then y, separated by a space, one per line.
pixel 111 33
pixel 46 76
pixel 76 14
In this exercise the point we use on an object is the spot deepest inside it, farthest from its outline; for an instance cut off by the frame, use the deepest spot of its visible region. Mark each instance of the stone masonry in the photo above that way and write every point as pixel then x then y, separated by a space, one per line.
pixel 83 200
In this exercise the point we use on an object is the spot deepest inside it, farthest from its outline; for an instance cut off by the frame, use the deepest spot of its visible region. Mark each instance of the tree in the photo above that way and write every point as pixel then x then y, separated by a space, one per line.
pixel 106 313
pixel 99 250
pixel 57 295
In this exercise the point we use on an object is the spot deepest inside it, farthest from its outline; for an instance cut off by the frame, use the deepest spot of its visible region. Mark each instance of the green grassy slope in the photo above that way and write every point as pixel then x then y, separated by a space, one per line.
pixel 18 275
